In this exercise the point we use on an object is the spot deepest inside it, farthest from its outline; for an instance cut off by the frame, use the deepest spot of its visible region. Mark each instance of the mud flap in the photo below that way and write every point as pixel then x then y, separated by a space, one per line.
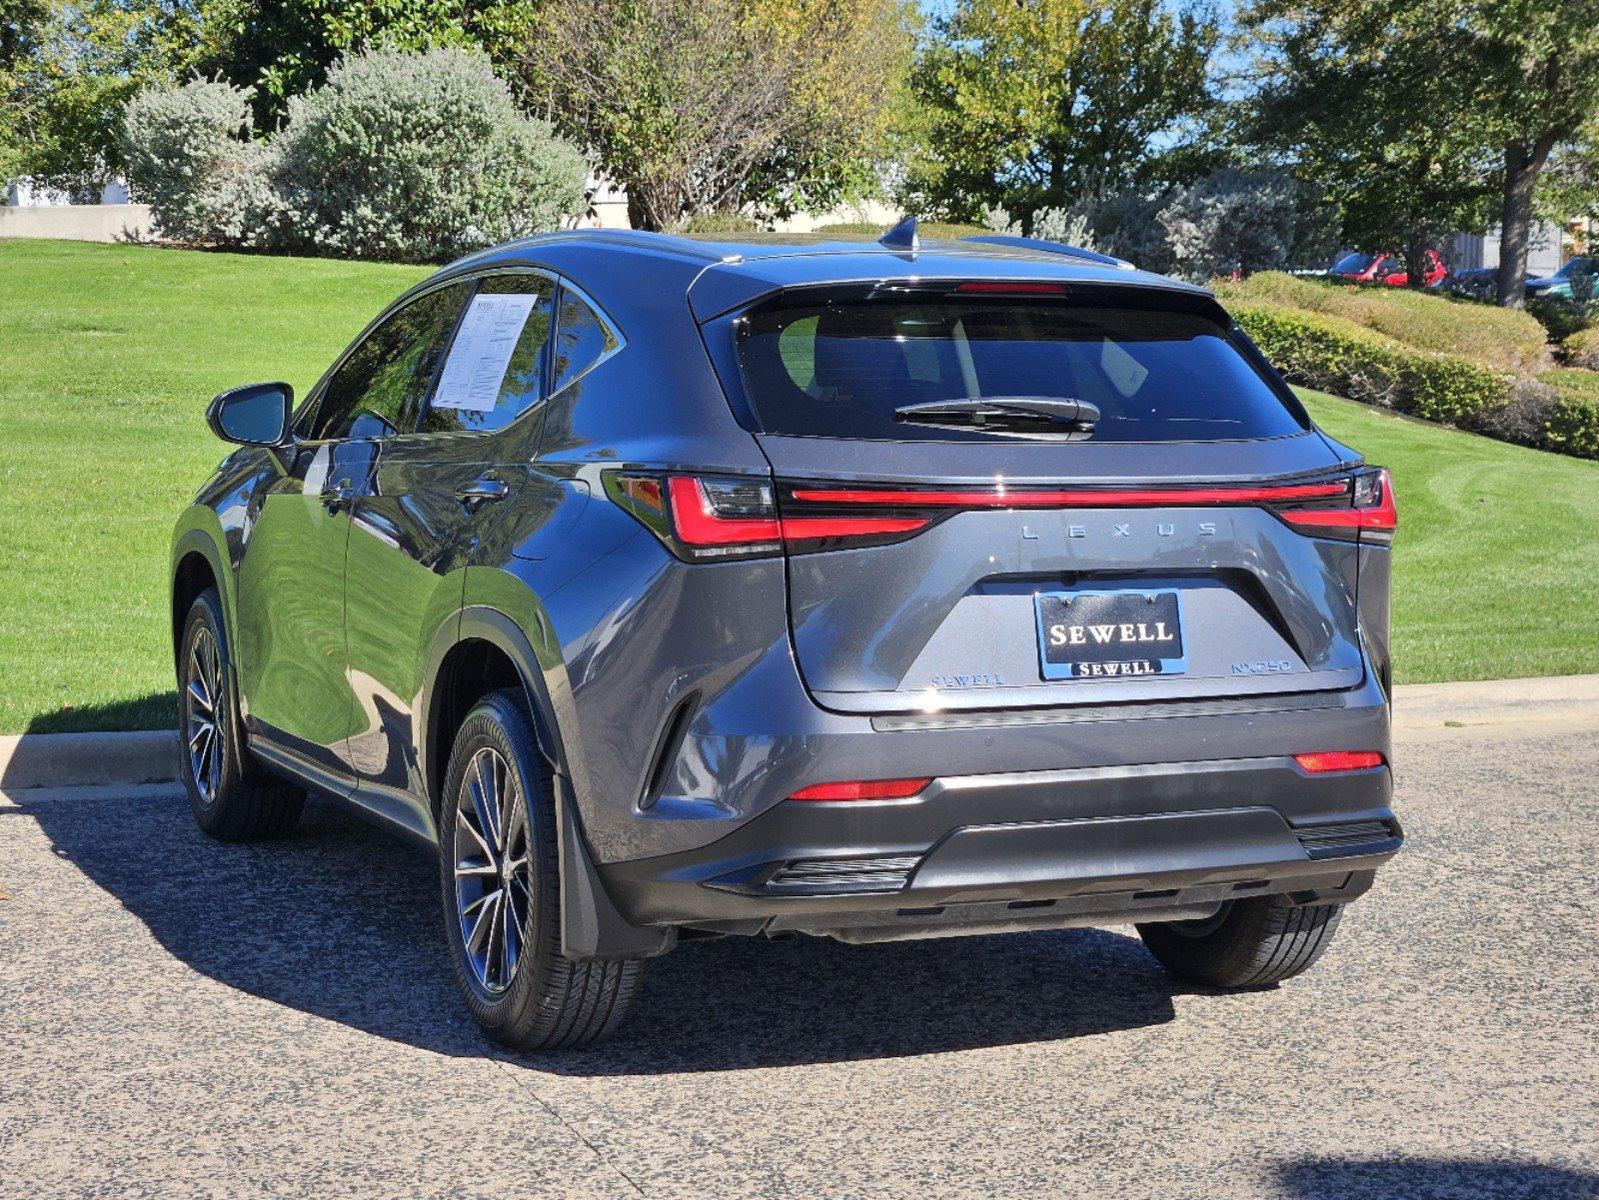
pixel 591 926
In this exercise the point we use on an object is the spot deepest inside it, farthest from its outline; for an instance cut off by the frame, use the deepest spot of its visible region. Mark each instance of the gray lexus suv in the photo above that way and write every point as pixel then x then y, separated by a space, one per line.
pixel 678 589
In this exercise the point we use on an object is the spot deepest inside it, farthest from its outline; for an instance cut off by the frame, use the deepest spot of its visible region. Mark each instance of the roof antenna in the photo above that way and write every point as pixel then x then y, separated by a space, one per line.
pixel 902 237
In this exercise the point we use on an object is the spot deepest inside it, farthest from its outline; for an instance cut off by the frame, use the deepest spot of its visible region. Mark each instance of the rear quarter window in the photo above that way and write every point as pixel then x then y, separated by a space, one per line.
pixel 842 369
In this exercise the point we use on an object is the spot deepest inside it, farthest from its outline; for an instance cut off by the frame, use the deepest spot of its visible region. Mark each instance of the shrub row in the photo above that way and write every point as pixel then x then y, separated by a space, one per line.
pixel 1499 338
pixel 1334 354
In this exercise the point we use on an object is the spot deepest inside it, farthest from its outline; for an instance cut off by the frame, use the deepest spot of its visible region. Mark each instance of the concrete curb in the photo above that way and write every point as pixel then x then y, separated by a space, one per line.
pixel 57 760
pixel 82 760
pixel 1497 702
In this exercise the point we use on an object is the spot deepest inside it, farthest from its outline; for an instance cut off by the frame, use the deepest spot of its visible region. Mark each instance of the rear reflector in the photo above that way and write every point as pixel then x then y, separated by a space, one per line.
pixel 863 789
pixel 1339 760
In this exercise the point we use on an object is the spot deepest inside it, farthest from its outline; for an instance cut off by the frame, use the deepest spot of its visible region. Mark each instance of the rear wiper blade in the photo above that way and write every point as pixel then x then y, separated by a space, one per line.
pixel 1003 411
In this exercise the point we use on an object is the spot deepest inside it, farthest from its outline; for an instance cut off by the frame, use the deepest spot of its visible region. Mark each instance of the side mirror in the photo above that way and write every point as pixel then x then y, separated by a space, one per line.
pixel 254 415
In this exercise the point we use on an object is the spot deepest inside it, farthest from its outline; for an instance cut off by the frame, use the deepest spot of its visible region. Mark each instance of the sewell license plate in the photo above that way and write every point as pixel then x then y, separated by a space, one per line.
pixel 1110 634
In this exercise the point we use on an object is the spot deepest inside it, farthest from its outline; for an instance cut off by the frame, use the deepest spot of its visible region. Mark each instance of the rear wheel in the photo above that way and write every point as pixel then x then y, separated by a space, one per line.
pixel 500 874
pixel 1248 943
pixel 232 799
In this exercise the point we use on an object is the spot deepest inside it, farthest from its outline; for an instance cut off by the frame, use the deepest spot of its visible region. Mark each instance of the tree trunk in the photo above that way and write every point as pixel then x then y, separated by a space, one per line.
pixel 1524 162
pixel 1416 265
pixel 638 215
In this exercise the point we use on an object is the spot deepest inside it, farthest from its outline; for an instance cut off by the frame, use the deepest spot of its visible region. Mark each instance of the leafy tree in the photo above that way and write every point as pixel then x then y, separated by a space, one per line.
pixel 1537 63
pixel 1036 103
pixel 1350 99
pixel 282 48
pixel 1436 115
pixel 699 106
pixel 21 24
pixel 73 65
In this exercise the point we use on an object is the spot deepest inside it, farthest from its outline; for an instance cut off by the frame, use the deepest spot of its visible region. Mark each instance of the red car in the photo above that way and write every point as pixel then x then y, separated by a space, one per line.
pixel 1385 268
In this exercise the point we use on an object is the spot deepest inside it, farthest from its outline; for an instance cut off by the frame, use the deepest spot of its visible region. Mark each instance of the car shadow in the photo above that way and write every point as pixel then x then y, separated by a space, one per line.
pixel 1432 1179
pixel 341 920
pixel 153 710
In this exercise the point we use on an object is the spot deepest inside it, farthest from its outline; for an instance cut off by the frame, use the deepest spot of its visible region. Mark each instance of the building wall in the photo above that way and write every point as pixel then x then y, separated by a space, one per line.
pixel 77 222
pixel 1469 250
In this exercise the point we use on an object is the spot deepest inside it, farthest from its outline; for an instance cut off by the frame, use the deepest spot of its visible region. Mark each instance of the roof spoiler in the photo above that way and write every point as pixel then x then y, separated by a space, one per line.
pixel 1048 247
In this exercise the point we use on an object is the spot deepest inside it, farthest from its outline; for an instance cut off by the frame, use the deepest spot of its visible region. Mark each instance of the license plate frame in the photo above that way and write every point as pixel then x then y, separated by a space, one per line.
pixel 1154 616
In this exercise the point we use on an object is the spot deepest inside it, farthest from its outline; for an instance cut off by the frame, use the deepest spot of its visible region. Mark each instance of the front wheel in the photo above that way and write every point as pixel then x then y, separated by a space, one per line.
pixel 1248 943
pixel 232 799
pixel 500 875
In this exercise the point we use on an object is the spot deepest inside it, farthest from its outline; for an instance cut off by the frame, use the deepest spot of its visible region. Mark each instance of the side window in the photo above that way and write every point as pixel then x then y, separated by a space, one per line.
pixel 582 338
pixel 496 366
pixel 378 389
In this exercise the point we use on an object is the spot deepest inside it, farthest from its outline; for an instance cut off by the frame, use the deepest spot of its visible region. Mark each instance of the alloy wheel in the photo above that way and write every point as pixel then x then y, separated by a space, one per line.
pixel 493 869
pixel 204 724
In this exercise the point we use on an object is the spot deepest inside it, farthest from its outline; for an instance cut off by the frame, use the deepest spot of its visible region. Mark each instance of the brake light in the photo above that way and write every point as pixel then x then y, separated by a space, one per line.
pixel 1371 510
pixel 1339 760
pixel 712 517
pixel 1000 287
pixel 863 789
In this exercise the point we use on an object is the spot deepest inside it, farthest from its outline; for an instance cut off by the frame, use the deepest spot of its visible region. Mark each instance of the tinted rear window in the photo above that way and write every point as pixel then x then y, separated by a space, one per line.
pixel 842 369
pixel 1354 264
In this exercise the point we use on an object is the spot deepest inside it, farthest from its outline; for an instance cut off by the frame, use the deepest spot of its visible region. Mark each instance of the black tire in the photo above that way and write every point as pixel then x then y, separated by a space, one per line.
pixel 539 999
pixel 1250 943
pixel 231 797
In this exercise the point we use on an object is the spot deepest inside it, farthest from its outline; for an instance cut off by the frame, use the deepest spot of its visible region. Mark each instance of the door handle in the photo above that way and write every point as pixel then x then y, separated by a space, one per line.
pixel 482 491
pixel 340 494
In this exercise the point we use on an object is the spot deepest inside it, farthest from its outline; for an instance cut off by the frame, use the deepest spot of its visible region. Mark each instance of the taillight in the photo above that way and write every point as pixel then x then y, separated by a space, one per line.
pixel 863 789
pixel 1367 511
pixel 1339 760
pixel 721 517
pixel 704 517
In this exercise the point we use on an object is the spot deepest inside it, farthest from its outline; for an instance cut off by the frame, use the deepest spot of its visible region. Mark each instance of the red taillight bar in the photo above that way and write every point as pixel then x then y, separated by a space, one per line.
pixel 863 789
pixel 722 517
pixel 697 524
pixel 1380 517
pixel 1339 760
pixel 1075 498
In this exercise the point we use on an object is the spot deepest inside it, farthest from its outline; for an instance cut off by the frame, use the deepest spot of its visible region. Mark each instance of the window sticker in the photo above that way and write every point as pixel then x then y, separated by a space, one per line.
pixel 475 370
pixel 1121 368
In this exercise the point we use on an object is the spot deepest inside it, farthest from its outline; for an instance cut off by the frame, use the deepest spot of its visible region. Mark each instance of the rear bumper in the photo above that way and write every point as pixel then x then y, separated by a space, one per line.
pixel 1038 849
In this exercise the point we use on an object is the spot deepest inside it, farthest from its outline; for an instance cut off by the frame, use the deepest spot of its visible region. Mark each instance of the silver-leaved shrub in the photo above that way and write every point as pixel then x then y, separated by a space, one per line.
pixel 190 159
pixel 399 156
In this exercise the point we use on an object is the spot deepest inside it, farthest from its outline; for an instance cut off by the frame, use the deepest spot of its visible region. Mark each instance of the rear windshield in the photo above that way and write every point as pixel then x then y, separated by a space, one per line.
pixel 1354 264
pixel 842 369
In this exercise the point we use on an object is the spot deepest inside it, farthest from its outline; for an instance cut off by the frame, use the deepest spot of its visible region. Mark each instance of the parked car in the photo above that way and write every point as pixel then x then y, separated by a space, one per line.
pixel 1474 283
pixel 675 589
pixel 1389 269
pixel 1558 285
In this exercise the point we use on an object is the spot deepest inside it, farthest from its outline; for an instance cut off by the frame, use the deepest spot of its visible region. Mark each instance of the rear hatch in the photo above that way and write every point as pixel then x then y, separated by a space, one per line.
pixel 1011 495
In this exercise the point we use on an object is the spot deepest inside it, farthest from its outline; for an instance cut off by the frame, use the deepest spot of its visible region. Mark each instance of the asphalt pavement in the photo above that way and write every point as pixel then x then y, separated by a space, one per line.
pixel 182 1018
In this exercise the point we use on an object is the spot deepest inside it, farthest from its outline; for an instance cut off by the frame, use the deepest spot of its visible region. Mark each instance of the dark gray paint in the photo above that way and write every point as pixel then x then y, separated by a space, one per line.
pixel 611 632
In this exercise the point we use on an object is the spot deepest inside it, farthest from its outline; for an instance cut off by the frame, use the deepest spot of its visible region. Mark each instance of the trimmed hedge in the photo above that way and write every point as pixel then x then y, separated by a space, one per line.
pixel 1581 349
pixel 1501 339
pixel 1336 355
pixel 1573 423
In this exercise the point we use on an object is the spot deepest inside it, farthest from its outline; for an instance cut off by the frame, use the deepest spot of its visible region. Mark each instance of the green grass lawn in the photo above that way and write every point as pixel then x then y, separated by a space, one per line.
pixel 108 355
